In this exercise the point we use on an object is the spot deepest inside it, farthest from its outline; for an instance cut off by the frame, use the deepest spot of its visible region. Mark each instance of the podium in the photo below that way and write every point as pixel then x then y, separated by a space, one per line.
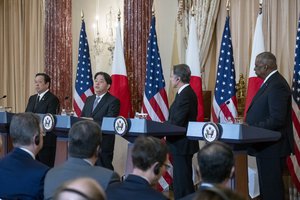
pixel 5 118
pixel 239 136
pixel 142 127
pixel 61 129
pixel 137 127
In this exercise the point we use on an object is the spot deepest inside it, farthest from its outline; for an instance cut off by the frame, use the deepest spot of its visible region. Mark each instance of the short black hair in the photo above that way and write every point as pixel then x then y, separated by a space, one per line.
pixel 147 151
pixel 23 127
pixel 47 78
pixel 183 71
pixel 84 138
pixel 215 161
pixel 106 77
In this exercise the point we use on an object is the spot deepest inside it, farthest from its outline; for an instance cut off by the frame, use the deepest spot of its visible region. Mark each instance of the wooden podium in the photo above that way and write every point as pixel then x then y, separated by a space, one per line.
pixel 238 136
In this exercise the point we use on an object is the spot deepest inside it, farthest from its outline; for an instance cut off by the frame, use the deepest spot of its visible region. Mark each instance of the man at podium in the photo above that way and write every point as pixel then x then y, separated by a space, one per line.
pixel 103 104
pixel 44 102
pixel 271 109
pixel 183 110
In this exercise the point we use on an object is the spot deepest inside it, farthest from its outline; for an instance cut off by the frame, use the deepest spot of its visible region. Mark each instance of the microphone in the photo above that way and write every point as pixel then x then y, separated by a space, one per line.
pixel 3 97
pixel 221 108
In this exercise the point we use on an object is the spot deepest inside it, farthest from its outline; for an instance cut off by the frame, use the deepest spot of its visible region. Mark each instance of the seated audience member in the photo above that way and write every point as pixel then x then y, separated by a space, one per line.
pixel 21 176
pixel 84 145
pixel 217 193
pixel 149 157
pixel 80 189
pixel 216 164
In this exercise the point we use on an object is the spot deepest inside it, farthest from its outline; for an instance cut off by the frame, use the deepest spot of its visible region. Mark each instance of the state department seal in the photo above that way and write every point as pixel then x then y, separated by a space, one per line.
pixel 48 122
pixel 210 132
pixel 120 125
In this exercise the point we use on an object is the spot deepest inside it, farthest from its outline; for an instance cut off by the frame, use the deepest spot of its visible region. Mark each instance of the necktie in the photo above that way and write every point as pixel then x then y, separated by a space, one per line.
pixel 36 101
pixel 96 102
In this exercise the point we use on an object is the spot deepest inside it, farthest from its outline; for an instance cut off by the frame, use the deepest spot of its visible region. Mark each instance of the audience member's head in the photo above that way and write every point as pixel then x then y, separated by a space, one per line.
pixel 80 189
pixel 26 131
pixel 217 193
pixel 216 163
pixel 84 139
pixel 149 157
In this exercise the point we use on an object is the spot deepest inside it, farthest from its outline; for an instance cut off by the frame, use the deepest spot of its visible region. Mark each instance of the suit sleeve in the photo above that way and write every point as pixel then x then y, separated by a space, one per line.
pixel 113 108
pixel 29 107
pixel 278 103
pixel 181 112
pixel 53 106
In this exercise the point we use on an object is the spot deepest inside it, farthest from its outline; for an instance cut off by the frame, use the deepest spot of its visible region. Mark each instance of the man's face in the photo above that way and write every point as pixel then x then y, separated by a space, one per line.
pixel 100 85
pixel 40 85
pixel 260 69
pixel 174 80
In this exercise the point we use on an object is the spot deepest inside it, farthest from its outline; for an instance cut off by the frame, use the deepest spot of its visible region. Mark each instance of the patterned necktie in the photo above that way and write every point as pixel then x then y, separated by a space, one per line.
pixel 97 100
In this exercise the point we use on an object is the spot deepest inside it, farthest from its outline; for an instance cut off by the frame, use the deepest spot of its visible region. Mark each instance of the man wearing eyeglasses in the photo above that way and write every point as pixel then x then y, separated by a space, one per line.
pixel 149 158
pixel 271 109
pixel 21 176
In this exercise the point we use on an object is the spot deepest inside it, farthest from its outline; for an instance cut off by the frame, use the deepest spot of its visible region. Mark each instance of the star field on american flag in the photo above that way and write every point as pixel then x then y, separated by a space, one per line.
pixel 296 76
pixel 84 79
pixel 154 75
pixel 225 81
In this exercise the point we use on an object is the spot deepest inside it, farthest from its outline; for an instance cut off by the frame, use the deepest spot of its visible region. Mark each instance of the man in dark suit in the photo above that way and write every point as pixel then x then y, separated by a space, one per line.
pixel 84 145
pixel 149 157
pixel 216 164
pixel 44 102
pixel 271 109
pixel 21 176
pixel 183 110
pixel 103 104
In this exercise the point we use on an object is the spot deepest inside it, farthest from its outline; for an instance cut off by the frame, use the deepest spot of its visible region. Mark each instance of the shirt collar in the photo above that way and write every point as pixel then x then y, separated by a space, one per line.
pixel 29 152
pixel 42 94
pixel 273 72
pixel 89 162
pixel 182 87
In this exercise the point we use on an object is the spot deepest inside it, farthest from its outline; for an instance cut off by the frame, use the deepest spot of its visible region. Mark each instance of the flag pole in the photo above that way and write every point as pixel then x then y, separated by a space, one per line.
pixel 228 7
pixel 82 15
pixel 260 6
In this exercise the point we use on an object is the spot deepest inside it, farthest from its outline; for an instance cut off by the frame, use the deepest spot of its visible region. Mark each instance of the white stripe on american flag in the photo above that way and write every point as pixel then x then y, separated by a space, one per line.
pixel 78 100
pixel 162 104
pixel 152 114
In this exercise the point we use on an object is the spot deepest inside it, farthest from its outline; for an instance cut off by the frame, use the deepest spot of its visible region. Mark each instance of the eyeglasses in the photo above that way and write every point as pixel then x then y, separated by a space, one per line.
pixel 167 166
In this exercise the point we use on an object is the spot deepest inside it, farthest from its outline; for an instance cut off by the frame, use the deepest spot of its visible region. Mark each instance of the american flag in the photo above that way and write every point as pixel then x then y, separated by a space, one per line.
pixel 155 100
pixel 294 160
pixel 84 78
pixel 225 102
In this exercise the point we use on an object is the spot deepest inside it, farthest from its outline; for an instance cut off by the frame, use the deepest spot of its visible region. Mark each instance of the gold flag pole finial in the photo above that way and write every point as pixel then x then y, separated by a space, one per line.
pixel 119 15
pixel 82 15
pixel 260 6
pixel 193 11
pixel 228 7
pixel 153 9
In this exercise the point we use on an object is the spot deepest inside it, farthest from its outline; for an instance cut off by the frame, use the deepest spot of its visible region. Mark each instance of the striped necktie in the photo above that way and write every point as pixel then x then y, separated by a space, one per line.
pixel 97 100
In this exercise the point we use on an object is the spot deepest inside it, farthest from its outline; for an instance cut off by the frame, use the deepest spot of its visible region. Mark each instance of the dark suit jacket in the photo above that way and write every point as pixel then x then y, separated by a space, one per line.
pixel 183 110
pixel 271 109
pixel 133 187
pixel 109 106
pixel 75 168
pixel 48 104
pixel 21 177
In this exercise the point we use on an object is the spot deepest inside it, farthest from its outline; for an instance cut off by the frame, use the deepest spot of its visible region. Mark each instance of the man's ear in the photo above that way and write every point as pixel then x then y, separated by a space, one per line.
pixel 108 86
